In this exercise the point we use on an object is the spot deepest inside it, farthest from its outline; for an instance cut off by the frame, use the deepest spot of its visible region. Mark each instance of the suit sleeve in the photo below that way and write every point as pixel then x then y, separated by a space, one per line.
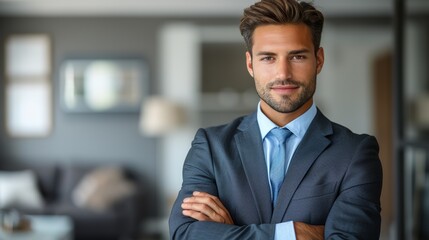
pixel 198 175
pixel 355 213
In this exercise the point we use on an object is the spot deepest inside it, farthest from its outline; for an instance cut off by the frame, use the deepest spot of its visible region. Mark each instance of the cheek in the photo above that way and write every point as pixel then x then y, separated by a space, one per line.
pixel 263 73
pixel 304 72
pixel 260 83
pixel 261 79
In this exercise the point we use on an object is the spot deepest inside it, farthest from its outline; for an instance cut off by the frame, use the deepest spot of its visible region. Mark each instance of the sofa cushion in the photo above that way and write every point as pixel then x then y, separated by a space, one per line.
pixel 19 189
pixel 46 175
pixel 70 177
pixel 101 188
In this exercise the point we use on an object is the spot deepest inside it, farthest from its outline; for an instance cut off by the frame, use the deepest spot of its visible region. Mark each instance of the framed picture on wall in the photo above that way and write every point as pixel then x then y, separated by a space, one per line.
pixel 103 85
pixel 28 86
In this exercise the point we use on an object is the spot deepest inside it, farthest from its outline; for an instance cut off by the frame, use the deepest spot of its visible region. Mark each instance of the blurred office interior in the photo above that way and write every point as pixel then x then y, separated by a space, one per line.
pixel 190 54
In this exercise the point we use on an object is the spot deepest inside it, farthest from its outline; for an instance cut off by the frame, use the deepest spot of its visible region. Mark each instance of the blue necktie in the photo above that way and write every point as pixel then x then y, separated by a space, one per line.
pixel 278 159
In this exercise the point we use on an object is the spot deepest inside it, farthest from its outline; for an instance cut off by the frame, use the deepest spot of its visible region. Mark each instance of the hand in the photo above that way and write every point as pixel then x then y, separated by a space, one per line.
pixel 205 207
pixel 305 231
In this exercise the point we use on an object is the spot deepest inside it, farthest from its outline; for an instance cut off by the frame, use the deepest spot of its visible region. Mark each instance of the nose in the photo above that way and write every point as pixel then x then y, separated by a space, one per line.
pixel 284 70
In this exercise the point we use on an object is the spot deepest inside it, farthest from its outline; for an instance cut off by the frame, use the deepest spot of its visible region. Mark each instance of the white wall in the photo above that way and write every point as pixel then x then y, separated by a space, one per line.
pixel 345 88
pixel 179 81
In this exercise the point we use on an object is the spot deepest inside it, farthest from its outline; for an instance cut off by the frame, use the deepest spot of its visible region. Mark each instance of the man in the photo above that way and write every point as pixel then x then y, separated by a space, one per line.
pixel 318 180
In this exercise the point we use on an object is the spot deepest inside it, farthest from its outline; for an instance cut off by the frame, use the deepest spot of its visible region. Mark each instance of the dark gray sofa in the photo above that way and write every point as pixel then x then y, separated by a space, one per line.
pixel 56 184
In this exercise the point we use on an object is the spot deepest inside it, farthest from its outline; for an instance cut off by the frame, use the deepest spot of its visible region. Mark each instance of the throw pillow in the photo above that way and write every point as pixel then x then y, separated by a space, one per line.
pixel 19 189
pixel 101 188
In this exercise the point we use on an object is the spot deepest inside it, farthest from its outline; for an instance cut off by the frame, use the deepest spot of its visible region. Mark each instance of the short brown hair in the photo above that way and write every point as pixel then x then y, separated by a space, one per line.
pixel 268 12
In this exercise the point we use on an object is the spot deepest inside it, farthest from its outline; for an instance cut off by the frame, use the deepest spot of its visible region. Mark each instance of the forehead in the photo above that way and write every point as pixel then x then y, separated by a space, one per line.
pixel 282 36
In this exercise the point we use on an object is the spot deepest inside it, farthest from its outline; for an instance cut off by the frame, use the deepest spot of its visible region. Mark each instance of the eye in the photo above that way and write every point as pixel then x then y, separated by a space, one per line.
pixel 298 57
pixel 267 58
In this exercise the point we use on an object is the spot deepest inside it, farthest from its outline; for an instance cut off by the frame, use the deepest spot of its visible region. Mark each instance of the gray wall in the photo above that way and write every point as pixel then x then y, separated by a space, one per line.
pixel 83 137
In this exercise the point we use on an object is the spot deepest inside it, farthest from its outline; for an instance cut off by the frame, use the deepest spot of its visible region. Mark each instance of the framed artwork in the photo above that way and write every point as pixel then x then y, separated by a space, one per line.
pixel 28 87
pixel 103 85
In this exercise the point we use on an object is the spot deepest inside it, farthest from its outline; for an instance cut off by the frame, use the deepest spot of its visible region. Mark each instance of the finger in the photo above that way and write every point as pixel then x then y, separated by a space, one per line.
pixel 215 203
pixel 306 231
pixel 209 206
pixel 204 209
pixel 211 200
pixel 195 215
pixel 203 194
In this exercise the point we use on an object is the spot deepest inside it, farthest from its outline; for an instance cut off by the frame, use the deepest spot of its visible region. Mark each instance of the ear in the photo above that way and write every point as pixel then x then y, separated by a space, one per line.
pixel 249 64
pixel 320 59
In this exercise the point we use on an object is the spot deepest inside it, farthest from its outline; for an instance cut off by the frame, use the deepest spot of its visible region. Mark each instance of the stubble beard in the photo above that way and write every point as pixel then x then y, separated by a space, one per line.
pixel 287 103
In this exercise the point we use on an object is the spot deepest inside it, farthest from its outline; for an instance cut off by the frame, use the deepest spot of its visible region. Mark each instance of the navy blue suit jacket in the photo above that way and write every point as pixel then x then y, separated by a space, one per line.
pixel 334 179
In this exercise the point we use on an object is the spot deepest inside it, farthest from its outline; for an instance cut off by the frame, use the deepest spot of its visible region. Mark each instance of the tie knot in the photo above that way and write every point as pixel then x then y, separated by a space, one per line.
pixel 281 134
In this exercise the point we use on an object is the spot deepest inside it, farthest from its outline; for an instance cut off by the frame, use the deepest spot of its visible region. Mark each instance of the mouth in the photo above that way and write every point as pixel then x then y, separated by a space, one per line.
pixel 285 89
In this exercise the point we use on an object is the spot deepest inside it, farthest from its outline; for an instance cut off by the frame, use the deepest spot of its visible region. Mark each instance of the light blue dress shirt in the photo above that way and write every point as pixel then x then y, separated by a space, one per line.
pixel 298 127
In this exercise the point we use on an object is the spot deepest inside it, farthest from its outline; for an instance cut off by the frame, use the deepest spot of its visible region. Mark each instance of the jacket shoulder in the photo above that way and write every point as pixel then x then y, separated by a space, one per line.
pixel 228 130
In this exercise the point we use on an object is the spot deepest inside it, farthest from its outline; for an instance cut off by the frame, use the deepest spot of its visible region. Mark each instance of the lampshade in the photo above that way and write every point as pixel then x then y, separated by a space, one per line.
pixel 159 116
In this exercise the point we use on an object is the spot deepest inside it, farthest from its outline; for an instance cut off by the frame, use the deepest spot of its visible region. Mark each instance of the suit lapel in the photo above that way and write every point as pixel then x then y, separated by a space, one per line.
pixel 249 145
pixel 313 143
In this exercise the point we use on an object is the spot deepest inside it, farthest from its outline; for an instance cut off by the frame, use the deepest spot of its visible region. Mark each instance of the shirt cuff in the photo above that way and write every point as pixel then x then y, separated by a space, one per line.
pixel 285 230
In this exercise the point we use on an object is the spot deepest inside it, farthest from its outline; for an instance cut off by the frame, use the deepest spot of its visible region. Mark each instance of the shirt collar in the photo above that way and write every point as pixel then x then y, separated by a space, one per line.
pixel 298 126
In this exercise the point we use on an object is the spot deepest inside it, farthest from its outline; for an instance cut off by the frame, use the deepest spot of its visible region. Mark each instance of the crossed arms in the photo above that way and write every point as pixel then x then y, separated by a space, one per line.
pixel 205 207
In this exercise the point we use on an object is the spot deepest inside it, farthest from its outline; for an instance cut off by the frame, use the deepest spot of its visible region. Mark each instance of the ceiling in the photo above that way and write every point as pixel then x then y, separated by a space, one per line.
pixel 189 8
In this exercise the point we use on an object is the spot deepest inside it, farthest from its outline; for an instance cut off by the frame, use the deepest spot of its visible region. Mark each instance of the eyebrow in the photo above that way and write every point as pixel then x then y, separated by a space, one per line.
pixel 299 51
pixel 265 53
pixel 293 52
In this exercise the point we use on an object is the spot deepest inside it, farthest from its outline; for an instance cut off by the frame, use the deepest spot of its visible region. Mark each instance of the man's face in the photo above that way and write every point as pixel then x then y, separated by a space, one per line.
pixel 284 66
